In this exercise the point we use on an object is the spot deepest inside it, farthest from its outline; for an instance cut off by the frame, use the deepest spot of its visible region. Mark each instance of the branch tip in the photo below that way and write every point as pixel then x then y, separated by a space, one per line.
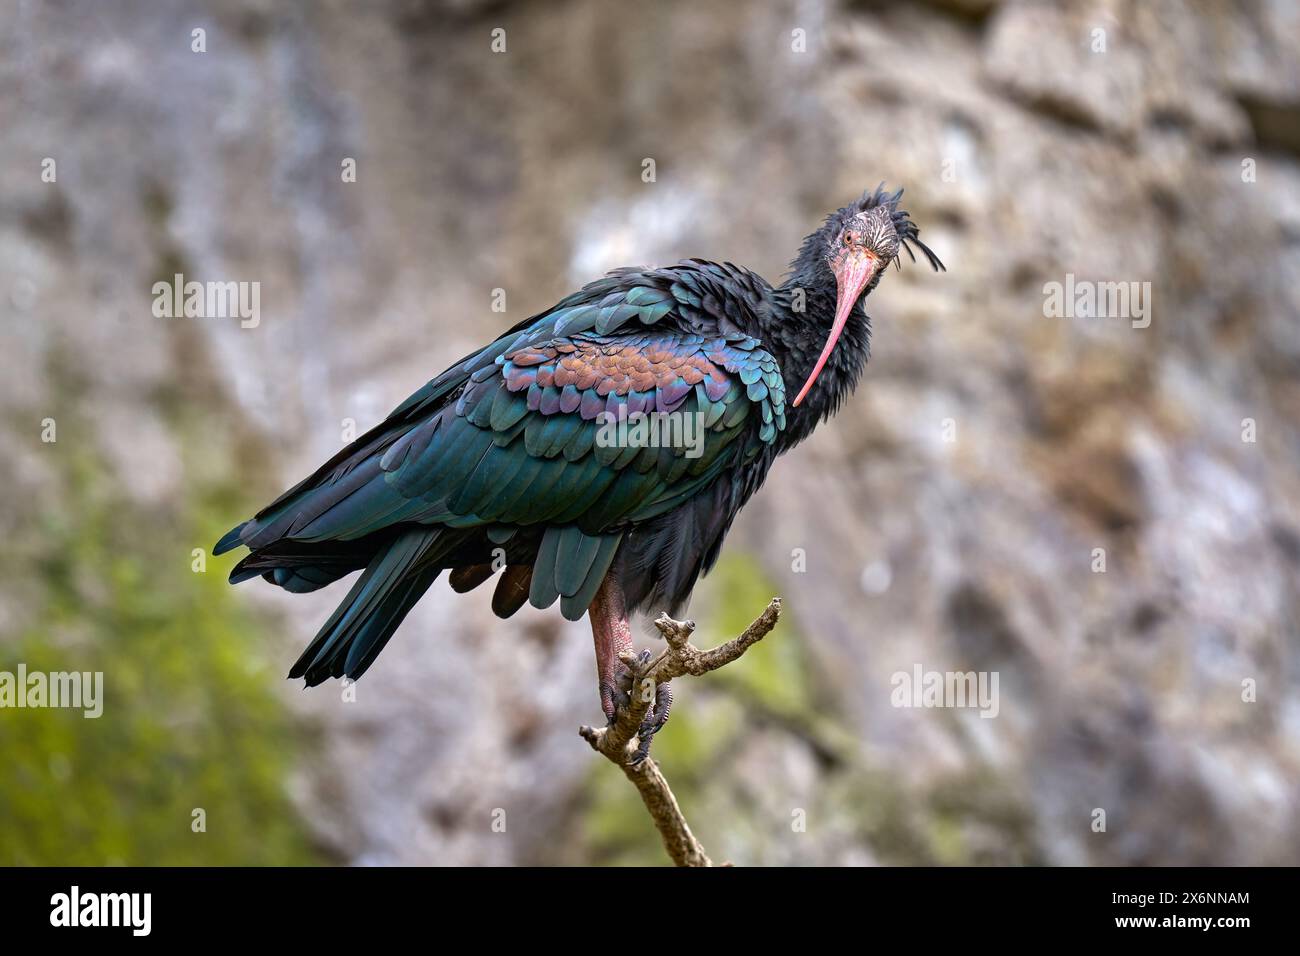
pixel 614 742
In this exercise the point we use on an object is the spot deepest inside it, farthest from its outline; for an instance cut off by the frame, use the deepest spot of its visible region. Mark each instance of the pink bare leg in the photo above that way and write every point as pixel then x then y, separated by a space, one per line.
pixel 613 635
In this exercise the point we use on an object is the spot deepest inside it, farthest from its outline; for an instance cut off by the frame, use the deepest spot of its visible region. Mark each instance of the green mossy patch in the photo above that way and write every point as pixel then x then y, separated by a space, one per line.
pixel 190 719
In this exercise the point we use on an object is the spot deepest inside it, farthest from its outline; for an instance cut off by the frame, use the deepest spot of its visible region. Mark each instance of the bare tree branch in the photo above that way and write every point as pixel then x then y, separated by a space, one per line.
pixel 616 742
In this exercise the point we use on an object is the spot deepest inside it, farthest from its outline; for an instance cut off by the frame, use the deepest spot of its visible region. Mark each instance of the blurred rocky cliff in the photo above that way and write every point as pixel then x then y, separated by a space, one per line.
pixel 957 515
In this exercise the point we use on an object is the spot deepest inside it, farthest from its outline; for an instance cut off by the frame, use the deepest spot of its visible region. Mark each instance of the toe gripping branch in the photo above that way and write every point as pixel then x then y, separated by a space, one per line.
pixel 649 702
pixel 647 711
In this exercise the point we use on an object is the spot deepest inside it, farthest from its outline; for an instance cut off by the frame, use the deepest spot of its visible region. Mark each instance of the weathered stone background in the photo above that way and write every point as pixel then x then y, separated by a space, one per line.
pixel 1027 155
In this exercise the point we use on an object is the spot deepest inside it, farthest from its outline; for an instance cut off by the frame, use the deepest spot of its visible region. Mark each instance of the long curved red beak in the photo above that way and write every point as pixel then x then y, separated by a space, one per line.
pixel 852 274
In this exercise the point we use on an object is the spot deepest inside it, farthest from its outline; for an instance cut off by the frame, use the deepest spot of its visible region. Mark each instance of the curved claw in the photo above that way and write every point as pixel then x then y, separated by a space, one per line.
pixel 617 695
pixel 654 721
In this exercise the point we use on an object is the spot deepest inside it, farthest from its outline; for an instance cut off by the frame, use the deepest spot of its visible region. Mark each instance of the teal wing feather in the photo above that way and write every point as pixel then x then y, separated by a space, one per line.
pixel 541 428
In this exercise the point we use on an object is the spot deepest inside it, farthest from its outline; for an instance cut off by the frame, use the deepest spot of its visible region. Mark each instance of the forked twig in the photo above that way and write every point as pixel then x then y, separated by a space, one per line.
pixel 617 741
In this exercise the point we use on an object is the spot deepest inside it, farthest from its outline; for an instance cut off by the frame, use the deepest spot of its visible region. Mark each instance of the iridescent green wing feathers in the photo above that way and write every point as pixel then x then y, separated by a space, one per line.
pixel 616 406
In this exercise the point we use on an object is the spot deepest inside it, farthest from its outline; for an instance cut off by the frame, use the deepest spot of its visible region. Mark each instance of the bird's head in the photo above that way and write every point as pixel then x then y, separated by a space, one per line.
pixel 857 243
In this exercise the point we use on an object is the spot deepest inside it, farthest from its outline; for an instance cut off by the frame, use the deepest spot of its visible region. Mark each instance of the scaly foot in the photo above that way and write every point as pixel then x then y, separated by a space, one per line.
pixel 654 721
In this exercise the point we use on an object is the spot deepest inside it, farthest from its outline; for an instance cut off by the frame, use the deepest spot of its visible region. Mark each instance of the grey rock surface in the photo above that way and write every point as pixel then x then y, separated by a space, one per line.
pixel 949 516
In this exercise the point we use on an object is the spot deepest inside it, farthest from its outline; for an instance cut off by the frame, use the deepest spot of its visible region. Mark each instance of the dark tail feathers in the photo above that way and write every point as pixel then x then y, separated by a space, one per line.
pixel 359 628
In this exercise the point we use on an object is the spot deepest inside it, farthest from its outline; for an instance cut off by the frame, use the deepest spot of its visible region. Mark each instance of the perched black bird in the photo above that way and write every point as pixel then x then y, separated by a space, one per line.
pixel 500 463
